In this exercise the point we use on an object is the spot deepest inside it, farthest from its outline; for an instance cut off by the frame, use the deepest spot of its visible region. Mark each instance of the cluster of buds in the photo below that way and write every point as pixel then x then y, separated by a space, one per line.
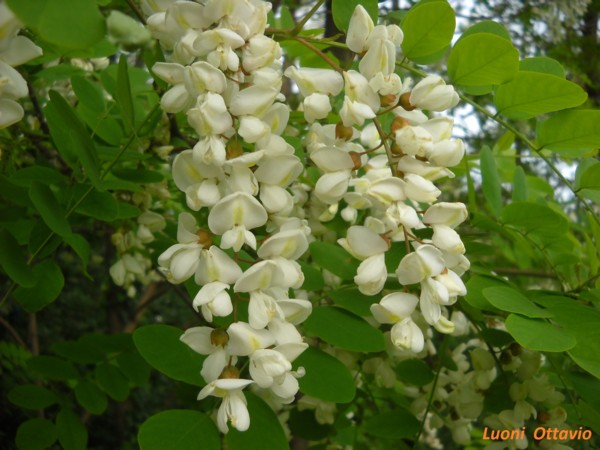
pixel 14 51
pixel 225 75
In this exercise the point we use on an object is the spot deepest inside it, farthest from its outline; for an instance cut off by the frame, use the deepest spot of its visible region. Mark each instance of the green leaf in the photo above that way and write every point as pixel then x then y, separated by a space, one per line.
pixel 353 300
pixel 511 300
pixel 123 93
pixel 72 434
pixel 344 330
pixel 71 137
pixel 35 434
pixel 519 190
pixel 538 335
pixel 313 279
pixel 51 211
pixel 415 372
pixel 78 25
pixel 492 188
pixel 112 381
pixel 590 179
pixel 475 287
pixel 326 377
pixel 78 351
pixel 582 322
pixel 78 243
pixel 134 367
pixel 89 94
pixel 160 346
pixel 48 286
pixel 342 11
pixel 52 368
pixel 265 430
pixel 13 261
pixel 179 429
pixel 99 205
pixel 482 59
pixel 428 30
pixel 47 175
pixel 566 131
pixel 91 397
pixel 530 94
pixel 542 64
pixel 30 396
pixel 533 218
pixel 334 258
pixel 139 176
pixel 487 26
pixel 396 424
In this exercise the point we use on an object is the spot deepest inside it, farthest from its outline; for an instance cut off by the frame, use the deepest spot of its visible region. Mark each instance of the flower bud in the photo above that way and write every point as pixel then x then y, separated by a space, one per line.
pixel 343 132
pixel 230 372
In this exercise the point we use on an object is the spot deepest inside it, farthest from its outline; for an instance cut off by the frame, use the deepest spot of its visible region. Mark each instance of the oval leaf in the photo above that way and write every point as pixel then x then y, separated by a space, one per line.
pixel 30 396
pixel 160 346
pixel 326 377
pixel 483 59
pixel 179 429
pixel 511 300
pixel 78 26
pixel 35 434
pixel 49 284
pixel 530 94
pixel 112 381
pixel 539 335
pixel 91 397
pixel 344 330
pixel 570 130
pixel 72 434
pixel 428 29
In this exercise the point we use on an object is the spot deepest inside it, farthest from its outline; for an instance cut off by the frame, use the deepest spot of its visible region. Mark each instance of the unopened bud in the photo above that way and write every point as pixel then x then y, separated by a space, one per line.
pixel 405 102
pixel 219 337
pixel 388 100
pixel 505 357
pixel 230 372
pixel 343 132
pixel 204 237
pixel 515 349
pixel 396 150
pixel 233 149
pixel 356 160
pixel 398 123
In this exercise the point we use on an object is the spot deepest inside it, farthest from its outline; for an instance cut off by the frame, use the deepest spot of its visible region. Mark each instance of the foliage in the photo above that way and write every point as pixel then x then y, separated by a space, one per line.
pixel 92 195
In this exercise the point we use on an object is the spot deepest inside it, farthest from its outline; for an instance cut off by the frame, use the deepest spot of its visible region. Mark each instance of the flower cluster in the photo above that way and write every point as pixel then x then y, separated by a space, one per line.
pixel 388 190
pixel 14 51
pixel 225 75
pixel 242 176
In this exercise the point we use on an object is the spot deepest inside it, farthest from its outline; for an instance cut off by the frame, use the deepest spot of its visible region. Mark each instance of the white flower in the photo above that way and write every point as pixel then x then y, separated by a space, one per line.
pixel 394 307
pixel 289 244
pixel 407 335
pixel 233 216
pixel 446 238
pixel 233 408
pixel 260 51
pixel 362 243
pixel 311 81
pixel 425 261
pixel 179 262
pixel 213 300
pixel 447 153
pixel 216 265
pixel 210 116
pixel 316 106
pixel 360 102
pixel 380 58
pixel 414 141
pixel 245 340
pixel 331 187
pixel 443 213
pixel 419 189
pixel 211 342
pixel 371 274
pixel 359 28
pixel 433 94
